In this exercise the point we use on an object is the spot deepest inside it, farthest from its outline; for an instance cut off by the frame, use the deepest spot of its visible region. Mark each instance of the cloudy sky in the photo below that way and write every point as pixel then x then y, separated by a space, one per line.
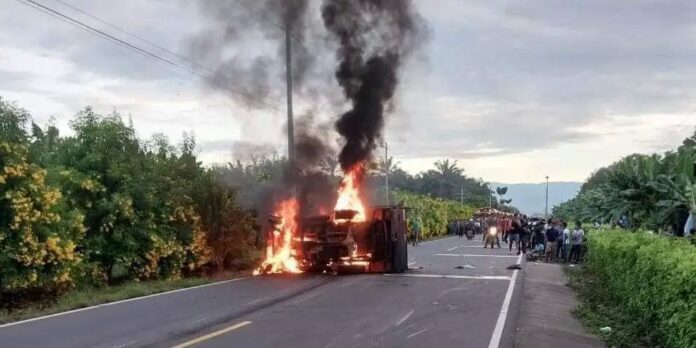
pixel 513 90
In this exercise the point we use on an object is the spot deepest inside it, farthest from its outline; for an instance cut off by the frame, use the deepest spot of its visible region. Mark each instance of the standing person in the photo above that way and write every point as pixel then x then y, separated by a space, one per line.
pixel 551 242
pixel 539 238
pixel 416 231
pixel 578 237
pixel 514 235
pixel 525 237
pixel 565 242
pixel 559 242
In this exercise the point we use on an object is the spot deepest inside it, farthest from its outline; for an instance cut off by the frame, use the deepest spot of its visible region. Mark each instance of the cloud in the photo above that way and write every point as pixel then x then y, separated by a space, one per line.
pixel 503 81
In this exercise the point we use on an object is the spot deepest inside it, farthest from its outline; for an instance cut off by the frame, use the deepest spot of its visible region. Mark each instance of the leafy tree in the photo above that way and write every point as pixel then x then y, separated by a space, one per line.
pixel 39 234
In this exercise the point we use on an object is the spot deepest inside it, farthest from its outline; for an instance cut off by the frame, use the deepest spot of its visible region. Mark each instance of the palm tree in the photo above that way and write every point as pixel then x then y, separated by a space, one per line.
pixel 448 175
pixel 448 169
pixel 388 165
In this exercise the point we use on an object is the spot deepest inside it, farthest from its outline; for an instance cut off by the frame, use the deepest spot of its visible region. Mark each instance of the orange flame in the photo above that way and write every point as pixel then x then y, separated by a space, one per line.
pixel 280 255
pixel 349 193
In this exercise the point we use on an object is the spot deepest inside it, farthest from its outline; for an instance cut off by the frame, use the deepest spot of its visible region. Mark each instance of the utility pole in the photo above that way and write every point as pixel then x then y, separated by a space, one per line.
pixel 490 196
pixel 461 193
pixel 386 171
pixel 288 73
pixel 546 210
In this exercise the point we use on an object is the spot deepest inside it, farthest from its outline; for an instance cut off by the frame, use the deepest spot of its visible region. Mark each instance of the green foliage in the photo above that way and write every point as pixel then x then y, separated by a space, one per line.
pixel 645 284
pixel 38 233
pixel 433 213
pixel 655 191
pixel 102 206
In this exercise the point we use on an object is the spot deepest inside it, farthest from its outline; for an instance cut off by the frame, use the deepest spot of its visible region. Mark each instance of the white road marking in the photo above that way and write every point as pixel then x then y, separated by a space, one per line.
pixel 212 334
pixel 477 255
pixel 416 333
pixel 448 276
pixel 465 246
pixel 118 302
pixel 411 263
pixel 500 324
pixel 404 318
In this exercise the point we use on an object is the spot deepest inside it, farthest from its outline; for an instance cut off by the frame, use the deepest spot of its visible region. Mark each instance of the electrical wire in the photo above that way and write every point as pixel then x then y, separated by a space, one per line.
pixel 70 20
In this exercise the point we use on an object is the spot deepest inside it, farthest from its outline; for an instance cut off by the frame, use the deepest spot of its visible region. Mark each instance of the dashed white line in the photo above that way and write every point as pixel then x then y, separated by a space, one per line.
pixel 465 246
pixel 500 324
pixel 447 276
pixel 478 255
pixel 404 318
pixel 416 333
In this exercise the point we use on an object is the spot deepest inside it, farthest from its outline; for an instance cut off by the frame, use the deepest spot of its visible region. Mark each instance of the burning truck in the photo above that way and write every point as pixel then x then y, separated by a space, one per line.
pixel 345 241
pixel 372 39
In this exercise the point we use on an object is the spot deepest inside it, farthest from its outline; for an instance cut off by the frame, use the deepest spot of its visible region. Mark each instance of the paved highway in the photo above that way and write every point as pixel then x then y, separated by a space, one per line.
pixel 456 294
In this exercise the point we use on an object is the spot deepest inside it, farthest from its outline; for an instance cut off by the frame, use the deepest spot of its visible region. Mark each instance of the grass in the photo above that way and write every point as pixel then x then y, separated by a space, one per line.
pixel 596 312
pixel 90 296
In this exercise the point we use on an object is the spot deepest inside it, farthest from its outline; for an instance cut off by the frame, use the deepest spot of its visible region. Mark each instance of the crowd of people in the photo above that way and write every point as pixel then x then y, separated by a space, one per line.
pixel 540 239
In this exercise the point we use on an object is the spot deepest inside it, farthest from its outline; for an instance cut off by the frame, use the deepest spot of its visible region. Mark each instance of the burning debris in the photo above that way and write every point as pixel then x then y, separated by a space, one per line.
pixel 280 254
pixel 371 39
pixel 349 193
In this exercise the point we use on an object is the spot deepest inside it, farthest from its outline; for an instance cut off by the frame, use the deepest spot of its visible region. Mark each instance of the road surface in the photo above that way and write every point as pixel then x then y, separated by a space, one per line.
pixel 455 294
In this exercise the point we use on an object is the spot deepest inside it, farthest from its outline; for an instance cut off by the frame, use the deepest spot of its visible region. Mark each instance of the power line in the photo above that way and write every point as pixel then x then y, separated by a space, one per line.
pixel 121 30
pixel 70 20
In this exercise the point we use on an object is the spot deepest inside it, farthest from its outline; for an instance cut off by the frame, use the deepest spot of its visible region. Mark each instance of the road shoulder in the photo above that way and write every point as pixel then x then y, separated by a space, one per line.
pixel 545 318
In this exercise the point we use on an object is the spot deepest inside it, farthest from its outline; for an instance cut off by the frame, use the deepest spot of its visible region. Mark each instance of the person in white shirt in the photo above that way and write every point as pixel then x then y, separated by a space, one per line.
pixel 566 242
pixel 577 238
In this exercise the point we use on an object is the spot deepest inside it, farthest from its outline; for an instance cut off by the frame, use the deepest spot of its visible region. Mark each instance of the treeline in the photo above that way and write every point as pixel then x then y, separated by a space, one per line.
pixel 446 181
pixel 102 206
pixel 655 192
pixel 434 214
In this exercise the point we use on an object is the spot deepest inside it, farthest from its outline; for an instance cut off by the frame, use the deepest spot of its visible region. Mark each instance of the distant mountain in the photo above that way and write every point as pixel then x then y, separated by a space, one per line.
pixel 530 198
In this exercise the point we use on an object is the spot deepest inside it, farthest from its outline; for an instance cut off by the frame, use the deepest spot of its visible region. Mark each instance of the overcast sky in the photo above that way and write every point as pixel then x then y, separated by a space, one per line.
pixel 514 90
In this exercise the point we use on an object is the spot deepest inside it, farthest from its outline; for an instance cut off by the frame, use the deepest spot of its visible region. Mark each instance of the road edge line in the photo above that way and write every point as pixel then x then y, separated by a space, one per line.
pixel 107 304
pixel 502 317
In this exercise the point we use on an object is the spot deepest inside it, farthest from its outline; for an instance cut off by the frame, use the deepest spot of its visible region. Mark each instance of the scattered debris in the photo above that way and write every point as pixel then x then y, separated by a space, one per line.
pixel 517 266
pixel 605 329
pixel 467 266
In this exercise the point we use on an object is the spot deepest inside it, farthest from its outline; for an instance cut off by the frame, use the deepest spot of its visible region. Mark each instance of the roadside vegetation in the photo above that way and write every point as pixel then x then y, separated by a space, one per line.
pixel 102 215
pixel 102 207
pixel 641 285
pixel 639 280
pixel 655 192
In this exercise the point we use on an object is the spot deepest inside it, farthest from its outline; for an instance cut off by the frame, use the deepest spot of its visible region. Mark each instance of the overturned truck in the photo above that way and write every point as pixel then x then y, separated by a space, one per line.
pixel 335 243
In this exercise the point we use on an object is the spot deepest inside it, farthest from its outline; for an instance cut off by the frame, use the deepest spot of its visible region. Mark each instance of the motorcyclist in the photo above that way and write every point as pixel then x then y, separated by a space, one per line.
pixel 491 233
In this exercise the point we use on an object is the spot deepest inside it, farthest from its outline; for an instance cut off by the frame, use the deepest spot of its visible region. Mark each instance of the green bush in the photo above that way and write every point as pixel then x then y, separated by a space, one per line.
pixel 651 280
pixel 434 213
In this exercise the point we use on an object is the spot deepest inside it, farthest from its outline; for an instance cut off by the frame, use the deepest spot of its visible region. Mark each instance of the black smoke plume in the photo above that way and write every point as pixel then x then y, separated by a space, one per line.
pixel 251 76
pixel 374 36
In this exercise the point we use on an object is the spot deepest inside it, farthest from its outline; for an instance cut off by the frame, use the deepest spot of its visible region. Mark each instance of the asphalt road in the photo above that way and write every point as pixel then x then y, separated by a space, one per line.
pixel 456 294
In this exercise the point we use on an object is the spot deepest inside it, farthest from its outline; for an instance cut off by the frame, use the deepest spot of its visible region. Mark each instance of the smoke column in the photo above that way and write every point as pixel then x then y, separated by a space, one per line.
pixel 374 36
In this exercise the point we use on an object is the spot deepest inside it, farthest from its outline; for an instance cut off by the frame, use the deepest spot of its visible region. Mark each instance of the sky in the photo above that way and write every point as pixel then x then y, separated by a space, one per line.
pixel 514 91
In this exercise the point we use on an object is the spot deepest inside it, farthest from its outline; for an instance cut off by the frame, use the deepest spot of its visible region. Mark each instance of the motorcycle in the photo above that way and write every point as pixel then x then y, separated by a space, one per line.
pixel 491 238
